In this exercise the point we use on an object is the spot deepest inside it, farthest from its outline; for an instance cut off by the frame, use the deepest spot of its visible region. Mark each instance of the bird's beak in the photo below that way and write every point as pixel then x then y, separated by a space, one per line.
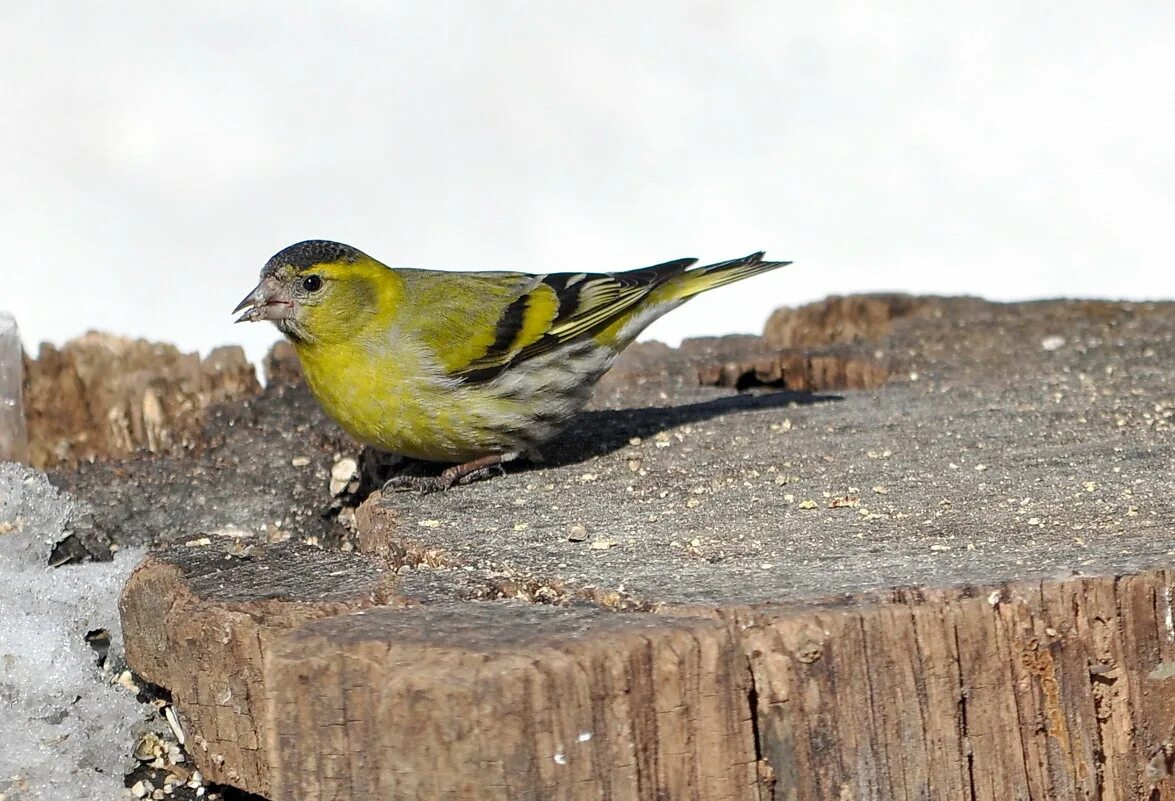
pixel 268 301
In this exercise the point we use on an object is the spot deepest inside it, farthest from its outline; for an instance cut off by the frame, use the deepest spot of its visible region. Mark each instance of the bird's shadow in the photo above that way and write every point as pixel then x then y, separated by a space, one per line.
pixel 597 432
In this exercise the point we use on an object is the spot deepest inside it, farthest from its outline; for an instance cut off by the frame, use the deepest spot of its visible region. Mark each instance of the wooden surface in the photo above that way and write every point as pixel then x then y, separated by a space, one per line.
pixel 200 619
pixel 102 396
pixel 1031 690
pixel 702 580
pixel 1034 690
pixel 510 701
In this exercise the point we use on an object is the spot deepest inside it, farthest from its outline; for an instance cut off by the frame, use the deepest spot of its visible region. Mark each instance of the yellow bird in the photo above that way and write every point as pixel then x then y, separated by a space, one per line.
pixel 469 368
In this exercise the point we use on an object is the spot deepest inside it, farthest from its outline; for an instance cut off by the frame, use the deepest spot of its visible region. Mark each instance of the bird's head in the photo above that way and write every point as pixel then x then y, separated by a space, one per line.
pixel 316 292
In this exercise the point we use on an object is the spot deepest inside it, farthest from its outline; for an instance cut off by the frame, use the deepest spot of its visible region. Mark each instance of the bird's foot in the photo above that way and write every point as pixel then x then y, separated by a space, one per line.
pixel 421 484
pixel 457 474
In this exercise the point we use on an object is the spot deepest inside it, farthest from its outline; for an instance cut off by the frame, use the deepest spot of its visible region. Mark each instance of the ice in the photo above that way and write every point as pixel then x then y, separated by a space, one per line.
pixel 65 731
pixel 13 434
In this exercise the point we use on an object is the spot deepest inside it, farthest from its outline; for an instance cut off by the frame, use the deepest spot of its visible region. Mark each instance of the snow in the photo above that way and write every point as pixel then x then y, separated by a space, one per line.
pixel 66 732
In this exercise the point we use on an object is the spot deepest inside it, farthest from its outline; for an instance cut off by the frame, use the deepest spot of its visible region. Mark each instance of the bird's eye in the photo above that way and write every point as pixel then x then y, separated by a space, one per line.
pixel 312 283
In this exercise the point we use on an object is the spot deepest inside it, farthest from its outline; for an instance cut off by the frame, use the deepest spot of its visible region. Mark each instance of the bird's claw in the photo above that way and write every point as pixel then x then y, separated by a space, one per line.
pixel 428 484
pixel 480 473
pixel 422 484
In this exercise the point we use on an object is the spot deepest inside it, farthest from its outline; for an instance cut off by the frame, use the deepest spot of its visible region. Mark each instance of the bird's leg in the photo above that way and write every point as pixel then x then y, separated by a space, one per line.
pixel 457 474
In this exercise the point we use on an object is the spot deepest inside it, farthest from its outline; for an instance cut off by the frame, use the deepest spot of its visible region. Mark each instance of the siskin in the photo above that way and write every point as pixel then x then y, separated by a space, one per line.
pixel 468 368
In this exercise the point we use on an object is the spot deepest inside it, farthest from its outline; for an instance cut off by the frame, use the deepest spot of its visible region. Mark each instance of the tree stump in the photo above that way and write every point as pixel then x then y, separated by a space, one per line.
pixel 954 585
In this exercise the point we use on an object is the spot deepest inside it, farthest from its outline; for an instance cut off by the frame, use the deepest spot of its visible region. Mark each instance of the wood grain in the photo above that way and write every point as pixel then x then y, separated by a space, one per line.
pixel 303 688
pixel 510 701
pixel 199 620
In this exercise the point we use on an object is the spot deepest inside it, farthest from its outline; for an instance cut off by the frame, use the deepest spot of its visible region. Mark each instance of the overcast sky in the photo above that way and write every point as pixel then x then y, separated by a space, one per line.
pixel 154 155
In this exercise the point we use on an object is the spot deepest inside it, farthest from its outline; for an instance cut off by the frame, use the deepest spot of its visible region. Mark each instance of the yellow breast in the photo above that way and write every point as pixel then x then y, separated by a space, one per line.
pixel 395 403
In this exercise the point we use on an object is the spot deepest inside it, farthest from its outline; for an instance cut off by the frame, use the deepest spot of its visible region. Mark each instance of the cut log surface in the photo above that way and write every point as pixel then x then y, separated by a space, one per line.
pixel 953 586
pixel 203 618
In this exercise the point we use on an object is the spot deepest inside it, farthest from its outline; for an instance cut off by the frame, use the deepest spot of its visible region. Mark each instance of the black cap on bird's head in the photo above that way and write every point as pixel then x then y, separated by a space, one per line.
pixel 305 255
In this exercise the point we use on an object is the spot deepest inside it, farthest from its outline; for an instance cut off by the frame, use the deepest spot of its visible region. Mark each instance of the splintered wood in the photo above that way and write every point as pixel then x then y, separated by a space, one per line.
pixel 102 396
pixel 800 371
pixel 307 683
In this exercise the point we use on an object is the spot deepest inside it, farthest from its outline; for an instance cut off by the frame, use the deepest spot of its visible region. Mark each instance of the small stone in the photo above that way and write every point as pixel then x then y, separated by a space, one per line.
pixel 603 544
pixel 807 504
pixel 428 523
pixel 880 490
pixel 341 474
pixel 299 461
pixel 1052 343
pixel 577 532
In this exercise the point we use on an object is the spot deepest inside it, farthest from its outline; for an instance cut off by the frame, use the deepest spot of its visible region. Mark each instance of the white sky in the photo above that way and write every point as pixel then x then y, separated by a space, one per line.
pixel 154 155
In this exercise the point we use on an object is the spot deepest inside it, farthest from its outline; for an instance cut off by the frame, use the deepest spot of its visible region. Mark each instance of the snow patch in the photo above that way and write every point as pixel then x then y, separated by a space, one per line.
pixel 66 731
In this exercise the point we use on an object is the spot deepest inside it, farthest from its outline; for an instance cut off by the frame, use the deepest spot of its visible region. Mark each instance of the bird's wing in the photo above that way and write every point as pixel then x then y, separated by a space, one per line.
pixel 554 309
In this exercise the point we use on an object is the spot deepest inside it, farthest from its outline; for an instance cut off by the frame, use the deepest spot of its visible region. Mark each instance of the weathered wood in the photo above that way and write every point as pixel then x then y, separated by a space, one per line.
pixel 1011 443
pixel 198 620
pixel 104 396
pixel 303 675
pixel 843 319
pixel 510 701
pixel 800 371
pixel 1033 690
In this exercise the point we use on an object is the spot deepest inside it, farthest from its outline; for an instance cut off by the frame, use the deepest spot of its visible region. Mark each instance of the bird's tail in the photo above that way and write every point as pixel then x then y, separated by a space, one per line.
pixel 702 279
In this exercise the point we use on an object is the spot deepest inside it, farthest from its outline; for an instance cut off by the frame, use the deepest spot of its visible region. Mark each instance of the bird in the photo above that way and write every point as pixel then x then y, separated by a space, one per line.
pixel 470 369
